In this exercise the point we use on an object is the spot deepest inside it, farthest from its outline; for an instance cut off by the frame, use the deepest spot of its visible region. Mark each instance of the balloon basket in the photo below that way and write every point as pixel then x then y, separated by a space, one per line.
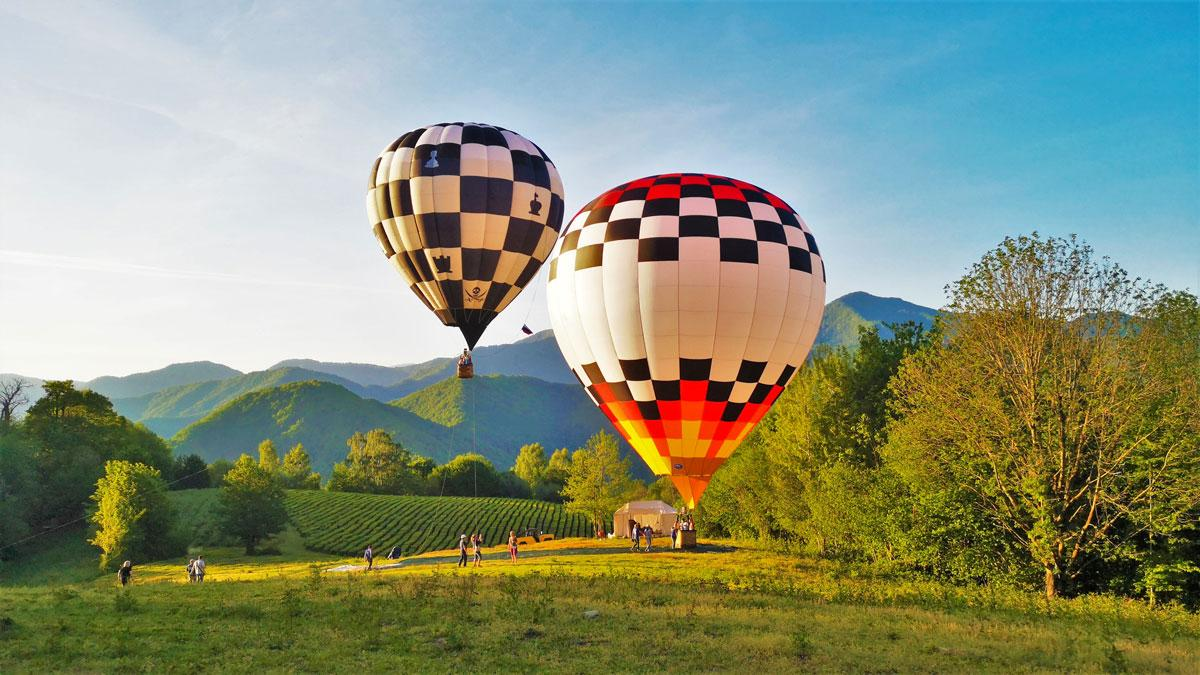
pixel 466 371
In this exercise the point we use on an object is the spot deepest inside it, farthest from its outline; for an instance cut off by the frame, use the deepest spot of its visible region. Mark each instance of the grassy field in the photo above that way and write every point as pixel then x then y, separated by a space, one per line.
pixel 344 523
pixel 727 608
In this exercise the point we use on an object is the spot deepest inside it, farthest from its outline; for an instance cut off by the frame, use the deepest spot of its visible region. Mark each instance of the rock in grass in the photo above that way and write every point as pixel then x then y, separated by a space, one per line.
pixel 591 614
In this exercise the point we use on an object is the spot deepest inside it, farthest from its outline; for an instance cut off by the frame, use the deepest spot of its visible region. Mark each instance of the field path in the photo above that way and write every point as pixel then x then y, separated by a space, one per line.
pixel 502 555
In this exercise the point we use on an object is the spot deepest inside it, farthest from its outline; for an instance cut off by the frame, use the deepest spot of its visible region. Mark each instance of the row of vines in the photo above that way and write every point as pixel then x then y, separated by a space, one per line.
pixel 344 523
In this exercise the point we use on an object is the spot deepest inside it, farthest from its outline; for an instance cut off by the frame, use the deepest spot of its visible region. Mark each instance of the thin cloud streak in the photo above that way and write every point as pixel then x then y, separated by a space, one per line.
pixel 67 262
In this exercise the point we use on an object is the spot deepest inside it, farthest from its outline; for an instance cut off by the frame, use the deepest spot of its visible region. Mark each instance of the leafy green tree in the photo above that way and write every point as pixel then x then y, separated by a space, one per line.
pixel 268 456
pixel 662 489
pixel 251 503
pixel 559 467
pixel 76 433
pixel 297 470
pixel 377 464
pixel 190 473
pixel 217 471
pixel 599 481
pixel 18 487
pixel 1046 403
pixel 133 517
pixel 467 475
pixel 531 464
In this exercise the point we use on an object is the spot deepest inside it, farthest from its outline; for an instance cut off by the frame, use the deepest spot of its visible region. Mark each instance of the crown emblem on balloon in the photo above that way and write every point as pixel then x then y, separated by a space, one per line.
pixel 442 264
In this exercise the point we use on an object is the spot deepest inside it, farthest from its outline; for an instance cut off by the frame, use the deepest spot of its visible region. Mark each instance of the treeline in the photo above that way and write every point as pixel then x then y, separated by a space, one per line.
pixel 1045 432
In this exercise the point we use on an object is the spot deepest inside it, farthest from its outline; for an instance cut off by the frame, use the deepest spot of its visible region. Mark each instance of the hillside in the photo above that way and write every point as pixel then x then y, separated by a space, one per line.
pixel 844 316
pixel 343 522
pixel 321 415
pixel 168 411
pixel 534 356
pixel 506 412
pixel 493 415
pixel 174 375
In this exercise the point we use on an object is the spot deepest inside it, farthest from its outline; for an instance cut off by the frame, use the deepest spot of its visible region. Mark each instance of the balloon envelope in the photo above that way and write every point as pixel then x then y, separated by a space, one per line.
pixel 467 213
pixel 684 303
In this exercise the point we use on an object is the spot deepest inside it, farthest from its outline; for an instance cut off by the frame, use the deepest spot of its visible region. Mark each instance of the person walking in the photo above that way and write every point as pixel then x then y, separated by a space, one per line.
pixel 369 556
pixel 191 570
pixel 200 569
pixel 512 546
pixel 635 533
pixel 476 542
pixel 462 550
pixel 125 573
pixel 648 533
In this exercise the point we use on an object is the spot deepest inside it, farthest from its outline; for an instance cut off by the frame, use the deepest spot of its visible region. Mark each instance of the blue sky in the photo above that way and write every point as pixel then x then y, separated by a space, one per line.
pixel 184 182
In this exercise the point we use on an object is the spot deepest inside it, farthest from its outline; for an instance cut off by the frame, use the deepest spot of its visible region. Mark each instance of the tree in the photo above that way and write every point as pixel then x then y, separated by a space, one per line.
pixel 467 475
pixel 268 456
pixel 190 473
pixel 599 481
pixel 133 517
pixel 297 470
pixel 559 467
pixel 217 471
pixel 76 432
pixel 18 486
pixel 13 395
pixel 251 503
pixel 531 464
pixel 1047 402
pixel 379 465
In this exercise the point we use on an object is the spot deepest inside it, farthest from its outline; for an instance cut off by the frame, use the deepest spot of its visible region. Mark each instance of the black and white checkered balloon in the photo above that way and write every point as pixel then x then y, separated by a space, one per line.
pixel 467 213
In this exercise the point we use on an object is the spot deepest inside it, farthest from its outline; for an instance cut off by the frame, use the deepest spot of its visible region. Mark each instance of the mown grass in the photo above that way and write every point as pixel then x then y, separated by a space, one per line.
pixel 727 609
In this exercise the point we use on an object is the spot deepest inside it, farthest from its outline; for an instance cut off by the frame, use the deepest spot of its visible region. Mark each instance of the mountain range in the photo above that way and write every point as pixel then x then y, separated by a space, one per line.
pixel 525 393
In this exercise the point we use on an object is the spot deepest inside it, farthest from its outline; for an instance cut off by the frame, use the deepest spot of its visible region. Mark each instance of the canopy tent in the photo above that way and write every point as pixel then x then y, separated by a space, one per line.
pixel 657 514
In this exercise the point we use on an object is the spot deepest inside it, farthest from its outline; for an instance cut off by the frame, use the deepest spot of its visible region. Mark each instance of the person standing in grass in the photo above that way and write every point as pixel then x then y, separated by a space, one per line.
pixel 635 533
pixel 199 568
pixel 648 533
pixel 125 573
pixel 476 542
pixel 512 545
pixel 369 556
pixel 191 570
pixel 462 550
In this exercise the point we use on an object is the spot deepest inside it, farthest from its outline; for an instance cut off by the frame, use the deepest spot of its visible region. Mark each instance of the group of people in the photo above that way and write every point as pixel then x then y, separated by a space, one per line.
pixel 476 542
pixel 683 523
pixel 195 570
pixel 639 534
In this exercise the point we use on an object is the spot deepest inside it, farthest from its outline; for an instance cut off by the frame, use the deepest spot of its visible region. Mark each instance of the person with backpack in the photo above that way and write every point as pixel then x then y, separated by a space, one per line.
pixel 462 550
pixel 369 556
pixel 476 542
pixel 200 568
pixel 125 574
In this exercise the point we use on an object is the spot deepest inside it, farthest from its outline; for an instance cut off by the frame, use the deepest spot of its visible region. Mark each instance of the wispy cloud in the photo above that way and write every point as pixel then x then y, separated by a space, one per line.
pixel 101 266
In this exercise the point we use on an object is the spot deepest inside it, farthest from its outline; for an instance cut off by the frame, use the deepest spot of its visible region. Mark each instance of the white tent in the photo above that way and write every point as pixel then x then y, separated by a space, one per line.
pixel 657 514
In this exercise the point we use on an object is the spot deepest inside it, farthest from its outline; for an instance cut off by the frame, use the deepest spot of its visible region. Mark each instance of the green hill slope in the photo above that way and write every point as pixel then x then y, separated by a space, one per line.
pixel 844 316
pixel 174 375
pixel 321 415
pixel 343 523
pixel 168 411
pixel 497 414
pixel 493 415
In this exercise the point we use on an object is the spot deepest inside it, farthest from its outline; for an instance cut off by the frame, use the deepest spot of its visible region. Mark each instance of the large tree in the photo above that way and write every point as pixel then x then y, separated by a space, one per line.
pixel 297 470
pixel 134 518
pixel 190 473
pixel 599 481
pixel 251 503
pixel 76 432
pixel 268 456
pixel 378 464
pixel 13 395
pixel 531 464
pixel 467 475
pixel 1056 402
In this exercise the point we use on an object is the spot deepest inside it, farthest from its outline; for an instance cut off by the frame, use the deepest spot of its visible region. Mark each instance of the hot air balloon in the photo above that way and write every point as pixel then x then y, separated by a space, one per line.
pixel 467 213
pixel 684 303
